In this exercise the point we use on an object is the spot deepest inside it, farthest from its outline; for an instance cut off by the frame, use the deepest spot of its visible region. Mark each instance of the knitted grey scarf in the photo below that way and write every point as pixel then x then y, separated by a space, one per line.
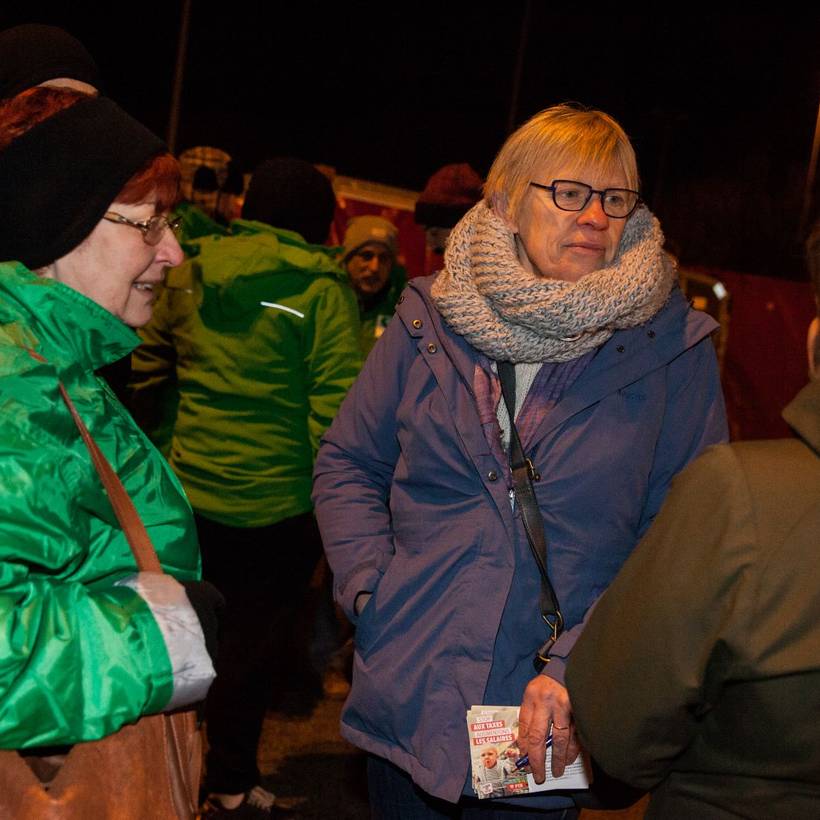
pixel 510 314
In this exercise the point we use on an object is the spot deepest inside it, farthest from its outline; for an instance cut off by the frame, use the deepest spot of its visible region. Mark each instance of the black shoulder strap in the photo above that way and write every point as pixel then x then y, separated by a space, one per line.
pixel 524 473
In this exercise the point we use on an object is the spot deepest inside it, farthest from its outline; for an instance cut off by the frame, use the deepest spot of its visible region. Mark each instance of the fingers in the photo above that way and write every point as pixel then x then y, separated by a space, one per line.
pixel 565 747
pixel 533 733
pixel 545 704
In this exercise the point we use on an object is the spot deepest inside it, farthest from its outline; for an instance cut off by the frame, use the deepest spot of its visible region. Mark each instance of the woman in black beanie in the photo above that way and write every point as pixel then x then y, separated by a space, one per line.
pixel 89 644
pixel 35 54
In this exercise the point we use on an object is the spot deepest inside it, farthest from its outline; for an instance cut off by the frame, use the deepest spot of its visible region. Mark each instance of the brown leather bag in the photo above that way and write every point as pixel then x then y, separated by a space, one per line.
pixel 148 769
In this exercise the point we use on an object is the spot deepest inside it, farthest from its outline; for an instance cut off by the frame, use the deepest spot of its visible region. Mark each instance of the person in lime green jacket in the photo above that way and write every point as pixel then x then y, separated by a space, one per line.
pixel 194 224
pixel 260 334
pixel 87 642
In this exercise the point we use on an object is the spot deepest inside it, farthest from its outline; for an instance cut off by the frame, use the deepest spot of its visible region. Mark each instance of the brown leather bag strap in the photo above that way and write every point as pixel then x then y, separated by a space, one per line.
pixel 130 521
pixel 124 509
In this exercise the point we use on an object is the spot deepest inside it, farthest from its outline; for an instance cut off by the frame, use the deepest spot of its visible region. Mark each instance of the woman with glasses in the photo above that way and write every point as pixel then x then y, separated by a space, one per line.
pixel 558 275
pixel 88 644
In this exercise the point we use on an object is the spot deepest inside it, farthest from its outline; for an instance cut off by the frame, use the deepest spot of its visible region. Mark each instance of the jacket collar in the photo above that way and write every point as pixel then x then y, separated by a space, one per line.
pixel 423 320
pixel 803 415
pixel 268 250
pixel 452 361
pixel 626 357
pixel 250 227
pixel 67 327
pixel 630 354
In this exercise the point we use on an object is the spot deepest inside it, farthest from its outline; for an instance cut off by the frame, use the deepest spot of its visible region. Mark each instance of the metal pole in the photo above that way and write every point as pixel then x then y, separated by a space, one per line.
pixel 179 73
pixel 810 176
pixel 519 67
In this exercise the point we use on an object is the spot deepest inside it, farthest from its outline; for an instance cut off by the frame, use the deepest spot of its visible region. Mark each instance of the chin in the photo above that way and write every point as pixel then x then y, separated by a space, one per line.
pixel 136 320
pixel 575 276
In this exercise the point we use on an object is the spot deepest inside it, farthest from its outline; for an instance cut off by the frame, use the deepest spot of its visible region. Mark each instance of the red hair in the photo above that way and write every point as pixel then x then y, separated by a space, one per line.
pixel 30 107
pixel 159 177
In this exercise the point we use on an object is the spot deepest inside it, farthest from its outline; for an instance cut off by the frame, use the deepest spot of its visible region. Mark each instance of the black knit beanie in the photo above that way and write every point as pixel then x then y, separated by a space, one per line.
pixel 290 193
pixel 60 177
pixel 32 54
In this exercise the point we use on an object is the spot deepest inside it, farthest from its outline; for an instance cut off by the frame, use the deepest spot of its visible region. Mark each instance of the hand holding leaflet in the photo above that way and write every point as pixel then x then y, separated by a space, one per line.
pixel 546 709
pixel 498 767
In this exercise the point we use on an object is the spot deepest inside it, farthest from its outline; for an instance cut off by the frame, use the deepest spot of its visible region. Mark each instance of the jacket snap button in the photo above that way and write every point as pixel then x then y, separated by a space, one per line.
pixel 620 348
pixel 401 299
pixel 417 323
pixel 431 348
pixel 492 475
pixel 651 334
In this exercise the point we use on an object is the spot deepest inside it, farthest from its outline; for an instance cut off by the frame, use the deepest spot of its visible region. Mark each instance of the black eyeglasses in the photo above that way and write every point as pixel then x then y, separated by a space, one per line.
pixel 569 195
pixel 152 229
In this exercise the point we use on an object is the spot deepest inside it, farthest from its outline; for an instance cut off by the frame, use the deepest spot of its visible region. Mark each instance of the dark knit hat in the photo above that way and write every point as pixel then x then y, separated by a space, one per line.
pixel 291 194
pixel 32 54
pixel 60 177
pixel 448 195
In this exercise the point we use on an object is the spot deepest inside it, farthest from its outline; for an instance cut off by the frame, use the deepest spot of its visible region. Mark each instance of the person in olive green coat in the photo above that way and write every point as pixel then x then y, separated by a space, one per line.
pixel 698 674
pixel 260 332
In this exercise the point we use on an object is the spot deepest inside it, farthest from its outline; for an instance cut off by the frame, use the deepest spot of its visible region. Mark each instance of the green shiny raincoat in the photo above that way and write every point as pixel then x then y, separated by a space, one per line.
pixel 79 656
pixel 259 334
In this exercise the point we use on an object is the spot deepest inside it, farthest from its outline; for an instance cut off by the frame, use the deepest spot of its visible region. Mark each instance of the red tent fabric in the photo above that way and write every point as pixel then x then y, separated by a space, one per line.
pixel 765 363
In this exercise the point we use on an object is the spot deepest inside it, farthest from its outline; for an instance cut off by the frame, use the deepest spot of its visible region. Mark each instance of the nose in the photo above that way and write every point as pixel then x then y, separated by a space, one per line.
pixel 168 251
pixel 373 265
pixel 593 214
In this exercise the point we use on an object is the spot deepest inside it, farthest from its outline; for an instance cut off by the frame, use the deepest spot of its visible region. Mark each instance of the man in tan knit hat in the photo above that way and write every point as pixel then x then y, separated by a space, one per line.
pixel 370 258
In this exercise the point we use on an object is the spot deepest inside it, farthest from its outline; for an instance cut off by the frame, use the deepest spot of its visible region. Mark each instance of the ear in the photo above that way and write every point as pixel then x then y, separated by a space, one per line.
pixel 501 208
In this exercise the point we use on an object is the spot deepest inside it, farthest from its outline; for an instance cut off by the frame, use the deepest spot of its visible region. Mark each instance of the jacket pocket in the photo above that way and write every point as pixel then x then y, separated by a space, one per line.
pixel 367 625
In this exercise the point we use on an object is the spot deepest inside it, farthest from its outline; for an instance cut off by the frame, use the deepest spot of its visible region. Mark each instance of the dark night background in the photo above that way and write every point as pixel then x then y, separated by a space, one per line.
pixel 721 107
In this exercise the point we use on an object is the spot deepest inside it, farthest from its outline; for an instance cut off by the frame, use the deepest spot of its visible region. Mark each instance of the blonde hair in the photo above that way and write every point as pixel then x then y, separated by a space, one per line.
pixel 563 136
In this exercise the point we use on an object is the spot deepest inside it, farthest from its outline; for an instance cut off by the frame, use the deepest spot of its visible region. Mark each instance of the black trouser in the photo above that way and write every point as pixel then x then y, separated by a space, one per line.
pixel 263 572
pixel 394 796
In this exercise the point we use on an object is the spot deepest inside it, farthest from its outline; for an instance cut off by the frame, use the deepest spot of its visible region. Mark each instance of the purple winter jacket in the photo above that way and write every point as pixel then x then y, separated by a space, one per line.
pixel 415 508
